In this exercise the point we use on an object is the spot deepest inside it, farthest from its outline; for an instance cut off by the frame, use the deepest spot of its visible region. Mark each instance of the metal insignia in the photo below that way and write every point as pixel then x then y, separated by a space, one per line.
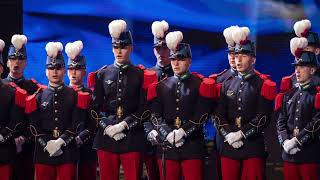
pixel 230 93
pixel 44 104
pixel 109 82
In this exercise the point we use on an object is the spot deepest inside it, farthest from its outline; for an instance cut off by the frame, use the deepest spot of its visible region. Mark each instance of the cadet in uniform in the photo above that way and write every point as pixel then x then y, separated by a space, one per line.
pixel 163 70
pixel 120 95
pixel 161 51
pixel 303 29
pixel 87 166
pixel 243 112
pixel 55 116
pixel 180 106
pixel 221 77
pixel 299 119
pixel 17 56
pixel 11 100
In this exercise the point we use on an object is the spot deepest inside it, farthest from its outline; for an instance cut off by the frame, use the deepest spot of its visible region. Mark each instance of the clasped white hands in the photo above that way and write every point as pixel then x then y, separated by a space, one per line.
pixel 176 137
pixel 234 139
pixel 291 146
pixel 54 147
pixel 115 131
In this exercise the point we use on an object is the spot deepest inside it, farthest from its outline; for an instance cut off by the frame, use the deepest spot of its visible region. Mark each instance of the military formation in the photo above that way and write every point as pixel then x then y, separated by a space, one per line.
pixel 132 117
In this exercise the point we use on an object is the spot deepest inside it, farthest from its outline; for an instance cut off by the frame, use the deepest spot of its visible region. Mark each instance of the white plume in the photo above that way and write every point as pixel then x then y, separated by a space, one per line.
pixel 116 27
pixel 159 28
pixel 173 39
pixel 302 27
pixel 227 33
pixel 297 44
pixel 2 44
pixel 74 49
pixel 53 49
pixel 240 34
pixel 18 41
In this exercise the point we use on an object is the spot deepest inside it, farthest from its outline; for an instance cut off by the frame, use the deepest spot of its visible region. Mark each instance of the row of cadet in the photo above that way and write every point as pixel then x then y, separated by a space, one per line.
pixel 131 115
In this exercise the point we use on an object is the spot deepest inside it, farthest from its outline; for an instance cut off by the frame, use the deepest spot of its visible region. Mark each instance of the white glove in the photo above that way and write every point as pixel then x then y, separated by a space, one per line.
pixel 119 136
pixel 152 137
pixel 115 129
pixel 175 135
pixel 1 138
pixel 19 142
pixel 290 144
pixel 233 137
pixel 237 144
pixel 79 141
pixel 294 150
pixel 58 153
pixel 179 143
pixel 53 146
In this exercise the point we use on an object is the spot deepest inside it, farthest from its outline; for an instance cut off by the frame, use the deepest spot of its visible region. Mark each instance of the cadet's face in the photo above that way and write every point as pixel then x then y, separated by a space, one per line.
pixel 162 54
pixel 231 58
pixel 76 76
pixel 244 62
pixel 312 49
pixel 304 73
pixel 55 76
pixel 16 66
pixel 122 54
pixel 180 66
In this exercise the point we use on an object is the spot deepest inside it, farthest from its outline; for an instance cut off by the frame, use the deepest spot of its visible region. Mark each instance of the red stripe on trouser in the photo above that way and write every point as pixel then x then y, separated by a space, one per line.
pixel 248 169
pixel 5 171
pixel 191 169
pixel 53 172
pixel 110 162
pixel 294 171
pixel 87 171
pixel 152 167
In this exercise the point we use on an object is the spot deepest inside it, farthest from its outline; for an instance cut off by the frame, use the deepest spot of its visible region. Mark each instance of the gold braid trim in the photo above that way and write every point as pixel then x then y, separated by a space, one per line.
pixel 217 119
pixel 158 125
pixel 14 129
pixel 143 116
pixel 264 118
pixel 201 120
pixel 314 129
pixel 34 132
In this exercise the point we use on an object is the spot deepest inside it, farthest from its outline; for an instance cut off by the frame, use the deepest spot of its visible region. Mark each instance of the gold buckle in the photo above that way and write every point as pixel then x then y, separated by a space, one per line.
pixel 295 131
pixel 238 121
pixel 56 132
pixel 177 122
pixel 120 112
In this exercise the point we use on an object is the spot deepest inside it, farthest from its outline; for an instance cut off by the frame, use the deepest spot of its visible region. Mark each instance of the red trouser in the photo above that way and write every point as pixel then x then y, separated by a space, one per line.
pixel 248 169
pixel 294 171
pixel 56 172
pixel 110 162
pixel 87 171
pixel 191 169
pixel 5 172
pixel 152 167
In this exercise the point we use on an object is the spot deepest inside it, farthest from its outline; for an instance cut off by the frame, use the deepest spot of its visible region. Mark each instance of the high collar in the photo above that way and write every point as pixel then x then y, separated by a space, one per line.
pixel 233 72
pixel 57 88
pixel 182 77
pixel 122 66
pixel 77 88
pixel 305 86
pixel 247 75
pixel 12 79
pixel 163 68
